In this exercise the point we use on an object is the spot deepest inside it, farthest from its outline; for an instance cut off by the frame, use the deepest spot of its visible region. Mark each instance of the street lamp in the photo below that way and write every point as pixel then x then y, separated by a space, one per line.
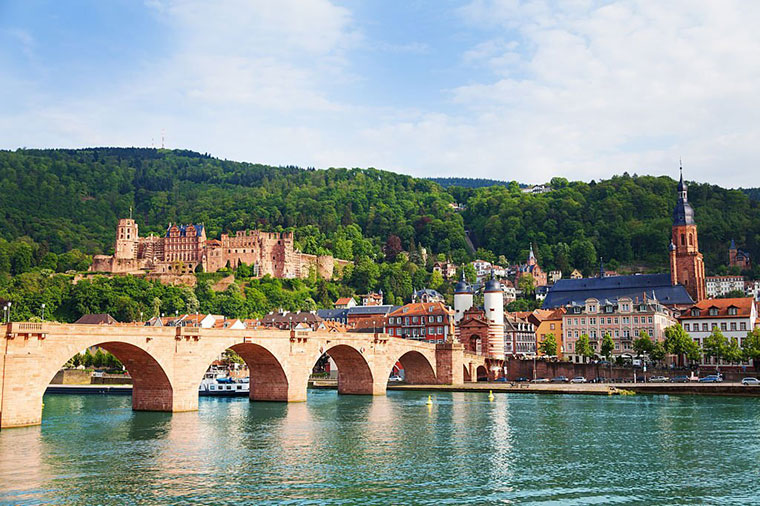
pixel 9 311
pixel 43 311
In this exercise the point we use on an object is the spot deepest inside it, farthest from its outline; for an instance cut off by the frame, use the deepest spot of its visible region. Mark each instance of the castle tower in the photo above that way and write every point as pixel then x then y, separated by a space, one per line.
pixel 493 305
pixel 686 264
pixel 462 299
pixel 126 240
pixel 732 251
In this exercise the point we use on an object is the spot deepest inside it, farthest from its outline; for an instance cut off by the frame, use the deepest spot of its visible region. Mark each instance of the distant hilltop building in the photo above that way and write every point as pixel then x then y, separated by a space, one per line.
pixel 738 258
pixel 185 249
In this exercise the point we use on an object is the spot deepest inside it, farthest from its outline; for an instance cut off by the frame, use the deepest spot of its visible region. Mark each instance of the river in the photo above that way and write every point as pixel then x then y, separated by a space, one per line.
pixel 463 449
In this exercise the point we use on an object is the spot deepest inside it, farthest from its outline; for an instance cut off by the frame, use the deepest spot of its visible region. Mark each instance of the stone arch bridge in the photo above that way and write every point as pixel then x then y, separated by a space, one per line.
pixel 168 363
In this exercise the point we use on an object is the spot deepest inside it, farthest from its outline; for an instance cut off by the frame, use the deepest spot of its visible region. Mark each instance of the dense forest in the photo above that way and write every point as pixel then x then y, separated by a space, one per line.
pixel 60 207
pixel 467 182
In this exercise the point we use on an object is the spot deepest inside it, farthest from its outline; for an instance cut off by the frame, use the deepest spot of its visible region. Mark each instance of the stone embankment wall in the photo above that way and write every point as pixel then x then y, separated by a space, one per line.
pixel 544 369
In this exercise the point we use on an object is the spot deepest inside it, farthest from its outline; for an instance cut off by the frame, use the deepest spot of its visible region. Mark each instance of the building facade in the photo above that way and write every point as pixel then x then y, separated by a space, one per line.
pixel 624 319
pixel 719 286
pixel 738 258
pixel 733 317
pixel 185 249
pixel 425 321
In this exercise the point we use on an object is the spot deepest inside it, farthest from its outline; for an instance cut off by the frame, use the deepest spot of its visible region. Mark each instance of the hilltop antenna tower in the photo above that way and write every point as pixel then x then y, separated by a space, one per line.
pixel 163 132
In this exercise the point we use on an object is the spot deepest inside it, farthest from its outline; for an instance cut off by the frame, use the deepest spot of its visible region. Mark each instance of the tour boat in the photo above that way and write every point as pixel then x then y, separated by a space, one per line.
pixel 224 387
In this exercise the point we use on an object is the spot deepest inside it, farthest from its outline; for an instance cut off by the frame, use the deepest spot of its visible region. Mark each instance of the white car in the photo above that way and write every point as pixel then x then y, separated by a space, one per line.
pixel 659 379
pixel 578 379
pixel 750 381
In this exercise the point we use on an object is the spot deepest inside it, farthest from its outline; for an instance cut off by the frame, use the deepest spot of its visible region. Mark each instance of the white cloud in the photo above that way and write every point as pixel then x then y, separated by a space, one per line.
pixel 582 89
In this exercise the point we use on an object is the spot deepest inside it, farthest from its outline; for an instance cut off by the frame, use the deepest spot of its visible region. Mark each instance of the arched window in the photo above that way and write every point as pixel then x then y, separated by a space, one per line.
pixel 691 240
pixel 683 240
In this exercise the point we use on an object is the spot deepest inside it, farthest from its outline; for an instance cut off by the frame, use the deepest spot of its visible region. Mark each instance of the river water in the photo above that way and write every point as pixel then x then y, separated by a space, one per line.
pixel 464 449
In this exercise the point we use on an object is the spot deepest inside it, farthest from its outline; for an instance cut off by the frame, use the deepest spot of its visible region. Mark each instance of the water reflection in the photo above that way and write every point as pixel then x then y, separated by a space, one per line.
pixel 464 449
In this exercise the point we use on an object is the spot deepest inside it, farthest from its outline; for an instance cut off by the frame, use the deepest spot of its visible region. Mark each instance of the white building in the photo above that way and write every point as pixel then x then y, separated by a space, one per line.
pixel 718 286
pixel 482 268
pixel 734 317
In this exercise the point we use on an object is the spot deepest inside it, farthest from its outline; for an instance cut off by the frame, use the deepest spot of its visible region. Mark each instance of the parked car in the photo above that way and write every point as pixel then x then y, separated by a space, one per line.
pixel 541 380
pixel 522 379
pixel 598 379
pixel 578 379
pixel 395 378
pixel 559 379
pixel 659 379
pixel 750 381
pixel 503 379
pixel 681 379
pixel 713 378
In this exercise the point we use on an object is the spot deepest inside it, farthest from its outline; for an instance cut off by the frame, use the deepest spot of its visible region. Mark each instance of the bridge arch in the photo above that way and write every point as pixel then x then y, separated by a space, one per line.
pixel 466 374
pixel 268 380
pixel 418 370
pixel 152 390
pixel 481 373
pixel 354 372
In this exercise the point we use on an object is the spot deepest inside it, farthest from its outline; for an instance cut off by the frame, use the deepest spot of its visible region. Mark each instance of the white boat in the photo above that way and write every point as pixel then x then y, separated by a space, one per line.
pixel 224 387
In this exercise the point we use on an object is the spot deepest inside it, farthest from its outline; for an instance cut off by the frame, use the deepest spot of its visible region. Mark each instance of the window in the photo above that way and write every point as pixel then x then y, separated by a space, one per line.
pixel 650 319
pixel 440 318
pixel 431 319
pixel 714 326
pixel 732 311
pixel 583 321
pixel 733 325
pixel 609 321
pixel 635 319
pixel 551 326
pixel 713 311
pixel 616 321
pixel 686 327
pixel 723 326
pixel 743 326
pixel 704 327
pixel 414 319
pixel 695 312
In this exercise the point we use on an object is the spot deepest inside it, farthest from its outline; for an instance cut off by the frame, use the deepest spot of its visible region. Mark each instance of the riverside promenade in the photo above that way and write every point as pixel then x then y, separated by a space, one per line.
pixel 694 388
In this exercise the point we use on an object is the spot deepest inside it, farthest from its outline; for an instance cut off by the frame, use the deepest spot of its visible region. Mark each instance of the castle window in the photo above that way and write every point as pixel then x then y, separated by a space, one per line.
pixel 691 240
pixel 683 240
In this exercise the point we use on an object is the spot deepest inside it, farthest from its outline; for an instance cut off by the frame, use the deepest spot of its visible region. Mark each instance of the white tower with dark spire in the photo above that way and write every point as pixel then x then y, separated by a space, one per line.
pixel 462 299
pixel 493 305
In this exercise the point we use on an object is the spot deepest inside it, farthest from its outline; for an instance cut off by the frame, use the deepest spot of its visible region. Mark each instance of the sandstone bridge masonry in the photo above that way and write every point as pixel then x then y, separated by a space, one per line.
pixel 167 364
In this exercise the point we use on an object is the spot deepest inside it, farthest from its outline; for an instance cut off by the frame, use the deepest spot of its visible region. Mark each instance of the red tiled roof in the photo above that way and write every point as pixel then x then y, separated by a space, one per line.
pixel 743 306
pixel 343 301
pixel 421 308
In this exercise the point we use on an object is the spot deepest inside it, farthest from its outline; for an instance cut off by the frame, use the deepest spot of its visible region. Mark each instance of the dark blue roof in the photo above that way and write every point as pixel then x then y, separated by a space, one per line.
pixel 385 309
pixel 567 291
pixel 331 314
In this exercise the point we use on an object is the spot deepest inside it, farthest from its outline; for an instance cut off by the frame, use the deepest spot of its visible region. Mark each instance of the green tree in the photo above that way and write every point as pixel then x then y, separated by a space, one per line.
pixel 87 358
pixel 658 352
pixel 643 344
pixel 733 353
pixel 677 342
pixel 527 284
pixel 751 347
pixel 549 345
pixel 583 347
pixel 607 346
pixel 715 345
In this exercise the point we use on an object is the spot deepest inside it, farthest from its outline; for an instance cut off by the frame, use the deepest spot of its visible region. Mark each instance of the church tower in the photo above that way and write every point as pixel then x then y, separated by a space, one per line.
pixel 686 264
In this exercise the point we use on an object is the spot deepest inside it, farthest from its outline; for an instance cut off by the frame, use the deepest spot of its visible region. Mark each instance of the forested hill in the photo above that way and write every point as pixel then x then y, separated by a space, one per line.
pixel 467 182
pixel 73 199
pixel 65 199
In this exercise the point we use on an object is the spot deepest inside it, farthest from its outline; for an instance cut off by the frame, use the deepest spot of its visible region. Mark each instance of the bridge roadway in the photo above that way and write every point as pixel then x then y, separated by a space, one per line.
pixel 168 363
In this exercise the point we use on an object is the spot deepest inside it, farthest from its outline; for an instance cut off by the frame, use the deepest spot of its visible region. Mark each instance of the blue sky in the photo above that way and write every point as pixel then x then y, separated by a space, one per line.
pixel 503 89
